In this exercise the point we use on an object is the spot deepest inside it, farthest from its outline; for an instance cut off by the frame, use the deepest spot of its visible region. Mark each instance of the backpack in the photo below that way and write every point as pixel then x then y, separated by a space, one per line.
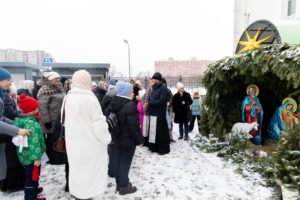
pixel 113 124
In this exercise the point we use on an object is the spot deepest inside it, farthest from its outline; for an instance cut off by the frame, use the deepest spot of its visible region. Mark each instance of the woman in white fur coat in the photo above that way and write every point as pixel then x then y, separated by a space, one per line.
pixel 87 137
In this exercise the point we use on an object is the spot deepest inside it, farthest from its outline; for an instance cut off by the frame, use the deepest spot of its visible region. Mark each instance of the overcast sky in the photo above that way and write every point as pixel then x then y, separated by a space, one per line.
pixel 93 30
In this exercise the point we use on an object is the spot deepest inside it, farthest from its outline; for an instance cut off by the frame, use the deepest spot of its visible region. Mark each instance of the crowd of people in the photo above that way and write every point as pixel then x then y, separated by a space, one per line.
pixel 36 114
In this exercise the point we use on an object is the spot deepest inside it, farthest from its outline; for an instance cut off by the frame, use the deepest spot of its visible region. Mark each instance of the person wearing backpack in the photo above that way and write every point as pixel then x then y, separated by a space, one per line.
pixel 127 138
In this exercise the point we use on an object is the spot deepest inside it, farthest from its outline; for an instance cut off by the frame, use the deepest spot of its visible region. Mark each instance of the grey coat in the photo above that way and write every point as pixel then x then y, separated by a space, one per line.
pixel 7 129
pixel 50 106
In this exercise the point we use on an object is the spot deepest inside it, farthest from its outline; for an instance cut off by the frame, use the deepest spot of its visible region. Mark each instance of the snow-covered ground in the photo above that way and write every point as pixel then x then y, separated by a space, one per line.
pixel 184 173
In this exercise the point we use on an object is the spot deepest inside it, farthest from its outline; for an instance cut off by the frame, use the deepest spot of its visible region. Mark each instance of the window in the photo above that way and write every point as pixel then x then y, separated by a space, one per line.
pixel 291 7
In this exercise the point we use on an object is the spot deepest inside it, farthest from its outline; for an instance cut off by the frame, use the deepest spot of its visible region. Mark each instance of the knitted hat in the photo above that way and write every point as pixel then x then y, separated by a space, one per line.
pixel 123 88
pixel 52 75
pixel 4 74
pixel 112 82
pixel 157 76
pixel 179 85
pixel 27 103
pixel 82 79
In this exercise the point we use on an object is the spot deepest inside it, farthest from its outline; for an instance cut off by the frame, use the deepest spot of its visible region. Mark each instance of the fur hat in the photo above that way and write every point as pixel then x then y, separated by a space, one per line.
pixel 52 75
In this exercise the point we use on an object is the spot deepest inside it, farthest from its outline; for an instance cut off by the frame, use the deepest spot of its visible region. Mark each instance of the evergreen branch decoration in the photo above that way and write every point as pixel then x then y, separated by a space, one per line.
pixel 274 68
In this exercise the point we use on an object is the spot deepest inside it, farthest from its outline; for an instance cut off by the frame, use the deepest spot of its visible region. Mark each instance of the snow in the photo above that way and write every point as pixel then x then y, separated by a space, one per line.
pixel 184 173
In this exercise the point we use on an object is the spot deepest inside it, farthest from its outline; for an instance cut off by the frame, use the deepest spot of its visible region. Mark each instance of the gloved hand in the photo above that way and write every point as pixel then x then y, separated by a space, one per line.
pixel 48 125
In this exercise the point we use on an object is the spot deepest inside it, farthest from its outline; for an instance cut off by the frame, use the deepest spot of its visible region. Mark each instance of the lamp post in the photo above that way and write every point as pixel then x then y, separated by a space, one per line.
pixel 126 42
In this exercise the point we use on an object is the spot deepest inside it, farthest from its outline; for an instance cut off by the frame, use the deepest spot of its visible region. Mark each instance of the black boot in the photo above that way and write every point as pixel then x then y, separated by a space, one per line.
pixel 118 187
pixel 127 190
pixel 3 185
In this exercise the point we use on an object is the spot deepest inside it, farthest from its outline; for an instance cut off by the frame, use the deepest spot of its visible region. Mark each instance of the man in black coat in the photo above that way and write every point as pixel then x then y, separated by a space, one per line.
pixel 128 137
pixel 156 123
pixel 181 107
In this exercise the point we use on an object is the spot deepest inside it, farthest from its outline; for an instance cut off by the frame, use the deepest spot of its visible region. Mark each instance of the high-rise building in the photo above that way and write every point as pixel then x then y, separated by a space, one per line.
pixel 183 68
pixel 32 57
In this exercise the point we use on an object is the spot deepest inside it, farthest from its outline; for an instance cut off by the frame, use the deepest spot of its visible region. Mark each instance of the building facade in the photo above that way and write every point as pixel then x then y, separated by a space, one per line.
pixel 276 11
pixel 32 57
pixel 183 68
pixel 98 71
pixel 23 71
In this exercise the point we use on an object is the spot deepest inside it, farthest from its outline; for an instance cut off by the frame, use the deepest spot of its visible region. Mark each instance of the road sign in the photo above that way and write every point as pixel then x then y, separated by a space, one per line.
pixel 48 60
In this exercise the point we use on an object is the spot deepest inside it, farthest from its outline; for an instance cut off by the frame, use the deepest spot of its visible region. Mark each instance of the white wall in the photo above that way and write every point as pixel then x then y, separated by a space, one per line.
pixel 249 11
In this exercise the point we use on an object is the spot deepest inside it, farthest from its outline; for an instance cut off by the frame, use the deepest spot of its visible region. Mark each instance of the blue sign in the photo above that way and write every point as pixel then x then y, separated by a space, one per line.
pixel 48 60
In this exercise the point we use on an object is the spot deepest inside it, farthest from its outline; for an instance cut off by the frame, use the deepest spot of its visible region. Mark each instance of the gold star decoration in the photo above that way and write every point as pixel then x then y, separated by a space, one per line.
pixel 252 43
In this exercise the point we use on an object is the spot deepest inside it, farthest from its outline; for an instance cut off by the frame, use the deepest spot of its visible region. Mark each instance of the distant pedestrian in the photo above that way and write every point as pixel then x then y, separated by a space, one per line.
pixel 169 114
pixel 87 137
pixel 6 127
pixel 25 87
pixel 181 107
pixel 31 156
pixel 196 110
pixel 128 138
pixel 37 86
pixel 50 98
pixel 155 123
pixel 106 109
pixel 15 176
pixel 100 90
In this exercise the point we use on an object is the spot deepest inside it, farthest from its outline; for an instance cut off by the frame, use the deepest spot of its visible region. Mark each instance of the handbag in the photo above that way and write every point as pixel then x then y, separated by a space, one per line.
pixel 60 144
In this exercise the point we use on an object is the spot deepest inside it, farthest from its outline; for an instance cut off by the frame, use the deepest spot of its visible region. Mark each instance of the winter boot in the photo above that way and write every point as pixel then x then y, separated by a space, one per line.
pixel 118 187
pixel 180 137
pixel 127 190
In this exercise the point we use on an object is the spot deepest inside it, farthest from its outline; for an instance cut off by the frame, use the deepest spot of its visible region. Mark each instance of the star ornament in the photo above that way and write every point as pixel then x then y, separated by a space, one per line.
pixel 252 43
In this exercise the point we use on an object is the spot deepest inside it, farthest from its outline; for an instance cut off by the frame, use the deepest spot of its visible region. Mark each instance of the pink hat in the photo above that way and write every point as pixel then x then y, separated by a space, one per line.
pixel 82 79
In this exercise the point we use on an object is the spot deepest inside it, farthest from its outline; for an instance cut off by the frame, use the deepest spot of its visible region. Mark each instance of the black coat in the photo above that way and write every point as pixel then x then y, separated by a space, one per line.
pixel 181 106
pixel 157 101
pixel 11 111
pixel 105 104
pixel 57 157
pixel 35 90
pixel 128 119
pixel 99 93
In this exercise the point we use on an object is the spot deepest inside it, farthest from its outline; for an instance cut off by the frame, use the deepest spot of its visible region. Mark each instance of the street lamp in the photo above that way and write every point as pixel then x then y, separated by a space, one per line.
pixel 126 42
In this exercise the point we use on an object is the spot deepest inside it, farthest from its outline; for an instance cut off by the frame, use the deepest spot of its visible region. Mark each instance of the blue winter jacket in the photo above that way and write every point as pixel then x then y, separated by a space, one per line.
pixel 196 106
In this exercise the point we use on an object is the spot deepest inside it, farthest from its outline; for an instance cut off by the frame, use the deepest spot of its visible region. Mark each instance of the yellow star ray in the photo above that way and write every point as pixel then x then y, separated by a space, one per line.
pixel 252 43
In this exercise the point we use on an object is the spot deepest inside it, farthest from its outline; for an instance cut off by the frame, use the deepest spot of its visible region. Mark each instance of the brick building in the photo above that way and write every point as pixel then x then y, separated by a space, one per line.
pixel 183 68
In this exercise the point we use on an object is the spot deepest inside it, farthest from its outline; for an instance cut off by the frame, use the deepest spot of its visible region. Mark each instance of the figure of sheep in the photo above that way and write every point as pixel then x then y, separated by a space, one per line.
pixel 241 130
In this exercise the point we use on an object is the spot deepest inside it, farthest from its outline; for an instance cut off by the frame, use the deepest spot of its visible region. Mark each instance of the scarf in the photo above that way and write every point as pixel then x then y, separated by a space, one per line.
pixel 49 90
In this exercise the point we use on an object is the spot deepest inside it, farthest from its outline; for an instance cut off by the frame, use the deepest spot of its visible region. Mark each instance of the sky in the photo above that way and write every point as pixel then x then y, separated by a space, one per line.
pixel 94 30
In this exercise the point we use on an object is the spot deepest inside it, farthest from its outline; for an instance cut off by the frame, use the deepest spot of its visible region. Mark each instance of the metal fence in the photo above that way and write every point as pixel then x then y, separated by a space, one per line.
pixel 189 82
